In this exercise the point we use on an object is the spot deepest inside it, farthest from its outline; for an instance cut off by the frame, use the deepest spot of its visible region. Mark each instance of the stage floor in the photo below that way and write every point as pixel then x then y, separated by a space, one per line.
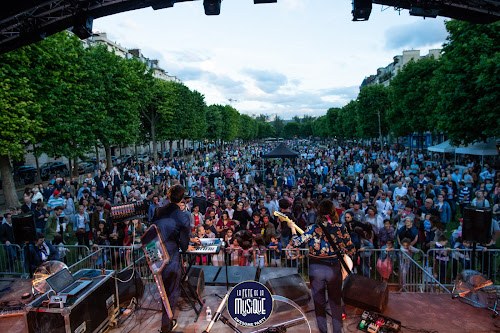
pixel 417 313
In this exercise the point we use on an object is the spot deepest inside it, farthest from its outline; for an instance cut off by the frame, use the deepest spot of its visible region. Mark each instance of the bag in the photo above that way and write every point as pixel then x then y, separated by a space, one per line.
pixel 80 231
pixel 384 267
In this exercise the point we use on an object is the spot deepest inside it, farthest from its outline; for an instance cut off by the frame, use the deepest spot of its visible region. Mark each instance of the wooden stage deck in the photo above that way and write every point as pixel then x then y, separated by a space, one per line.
pixel 417 313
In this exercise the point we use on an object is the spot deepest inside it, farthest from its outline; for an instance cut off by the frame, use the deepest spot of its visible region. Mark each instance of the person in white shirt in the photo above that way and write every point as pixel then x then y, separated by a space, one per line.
pixel 383 205
pixel 399 191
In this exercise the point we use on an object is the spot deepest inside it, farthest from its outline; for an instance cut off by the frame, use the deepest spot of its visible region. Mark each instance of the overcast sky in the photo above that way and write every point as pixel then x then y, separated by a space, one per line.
pixel 294 57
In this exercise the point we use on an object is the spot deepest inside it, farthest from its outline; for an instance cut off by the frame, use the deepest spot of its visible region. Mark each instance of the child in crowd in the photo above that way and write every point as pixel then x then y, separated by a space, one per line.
pixel 235 252
pixel 405 263
pixel 98 257
pixel 244 259
pixel 275 251
pixel 385 262
pixel 259 252
pixel 387 233
pixel 292 255
pixel 59 245
pixel 442 258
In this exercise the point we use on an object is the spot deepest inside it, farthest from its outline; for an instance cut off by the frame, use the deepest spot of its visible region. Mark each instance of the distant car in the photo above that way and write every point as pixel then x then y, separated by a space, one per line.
pixel 92 160
pixel 52 168
pixel 85 167
pixel 25 174
pixel 143 158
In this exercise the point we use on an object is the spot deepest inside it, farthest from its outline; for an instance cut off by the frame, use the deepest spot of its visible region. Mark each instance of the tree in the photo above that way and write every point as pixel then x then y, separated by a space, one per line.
pixel 115 106
pixel 214 122
pixel 413 98
pixel 57 76
pixel 349 122
pixel 278 125
pixel 154 114
pixel 230 119
pixel 320 127
pixel 372 105
pixel 16 107
pixel 291 129
pixel 334 122
pixel 469 82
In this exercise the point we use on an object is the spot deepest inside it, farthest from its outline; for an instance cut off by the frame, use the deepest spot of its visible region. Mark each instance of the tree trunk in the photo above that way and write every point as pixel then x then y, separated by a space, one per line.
pixel 155 144
pixel 108 157
pixel 8 185
pixel 171 148
pixel 135 150
pixel 69 166
pixel 97 156
pixel 37 163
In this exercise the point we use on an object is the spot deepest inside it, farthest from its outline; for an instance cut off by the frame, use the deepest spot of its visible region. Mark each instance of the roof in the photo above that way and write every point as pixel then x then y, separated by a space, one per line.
pixel 488 148
pixel 443 147
pixel 282 151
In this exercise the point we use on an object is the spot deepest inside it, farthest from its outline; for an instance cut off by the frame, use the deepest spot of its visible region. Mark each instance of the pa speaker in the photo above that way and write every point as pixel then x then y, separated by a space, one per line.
pixel 196 280
pixel 83 28
pixel 476 225
pixel 132 287
pixel 24 228
pixel 292 287
pixel 365 293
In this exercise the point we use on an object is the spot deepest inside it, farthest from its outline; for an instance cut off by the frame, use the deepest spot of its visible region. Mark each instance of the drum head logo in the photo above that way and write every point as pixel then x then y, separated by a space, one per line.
pixel 250 304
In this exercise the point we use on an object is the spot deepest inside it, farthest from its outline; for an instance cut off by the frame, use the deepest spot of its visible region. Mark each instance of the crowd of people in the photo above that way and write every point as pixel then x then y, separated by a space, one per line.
pixel 386 199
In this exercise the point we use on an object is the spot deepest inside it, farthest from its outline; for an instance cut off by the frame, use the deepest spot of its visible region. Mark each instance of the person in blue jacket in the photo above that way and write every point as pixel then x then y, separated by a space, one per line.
pixel 174 226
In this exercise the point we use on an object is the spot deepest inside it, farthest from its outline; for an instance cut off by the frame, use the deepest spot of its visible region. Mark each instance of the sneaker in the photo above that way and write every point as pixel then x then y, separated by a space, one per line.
pixel 166 329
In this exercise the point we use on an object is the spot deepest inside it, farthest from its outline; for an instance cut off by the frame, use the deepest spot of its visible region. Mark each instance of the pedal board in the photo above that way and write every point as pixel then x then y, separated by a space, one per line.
pixel 373 322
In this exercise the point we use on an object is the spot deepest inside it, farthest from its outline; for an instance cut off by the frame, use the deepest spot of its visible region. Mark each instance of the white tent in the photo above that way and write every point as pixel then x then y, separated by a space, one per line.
pixel 488 148
pixel 443 147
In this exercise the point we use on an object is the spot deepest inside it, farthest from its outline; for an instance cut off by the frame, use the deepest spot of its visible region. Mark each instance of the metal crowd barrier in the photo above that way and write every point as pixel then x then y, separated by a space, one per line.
pixel 12 259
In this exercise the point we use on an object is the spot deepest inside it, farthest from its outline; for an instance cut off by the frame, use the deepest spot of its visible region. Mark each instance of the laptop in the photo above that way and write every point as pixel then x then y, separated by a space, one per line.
pixel 63 283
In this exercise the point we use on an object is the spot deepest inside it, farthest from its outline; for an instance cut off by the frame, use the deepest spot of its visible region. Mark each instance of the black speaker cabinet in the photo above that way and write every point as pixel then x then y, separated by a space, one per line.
pixel 92 310
pixel 365 293
pixel 24 228
pixel 292 287
pixel 131 287
pixel 476 226
pixel 196 280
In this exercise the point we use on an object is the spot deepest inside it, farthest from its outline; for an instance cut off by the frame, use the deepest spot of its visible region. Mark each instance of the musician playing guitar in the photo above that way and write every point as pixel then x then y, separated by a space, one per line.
pixel 175 227
pixel 324 266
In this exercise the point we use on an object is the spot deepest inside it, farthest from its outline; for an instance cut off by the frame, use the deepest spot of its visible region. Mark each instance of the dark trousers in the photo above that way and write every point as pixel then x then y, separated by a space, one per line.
pixel 171 279
pixel 82 239
pixel 326 277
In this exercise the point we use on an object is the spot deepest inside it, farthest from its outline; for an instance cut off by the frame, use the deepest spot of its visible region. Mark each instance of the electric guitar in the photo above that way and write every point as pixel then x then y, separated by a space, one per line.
pixel 283 218
pixel 157 257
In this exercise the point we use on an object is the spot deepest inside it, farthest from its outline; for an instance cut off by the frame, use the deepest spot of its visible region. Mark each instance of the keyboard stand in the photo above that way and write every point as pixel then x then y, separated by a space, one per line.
pixel 220 268
pixel 184 283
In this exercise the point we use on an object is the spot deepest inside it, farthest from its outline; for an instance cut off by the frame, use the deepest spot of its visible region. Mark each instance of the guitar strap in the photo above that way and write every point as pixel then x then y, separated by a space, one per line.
pixel 335 248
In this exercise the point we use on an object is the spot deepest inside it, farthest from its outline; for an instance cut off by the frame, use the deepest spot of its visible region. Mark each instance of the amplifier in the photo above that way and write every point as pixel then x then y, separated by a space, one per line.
pixel 92 310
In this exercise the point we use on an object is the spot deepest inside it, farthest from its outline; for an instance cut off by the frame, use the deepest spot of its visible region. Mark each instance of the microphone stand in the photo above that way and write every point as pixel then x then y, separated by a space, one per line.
pixel 218 314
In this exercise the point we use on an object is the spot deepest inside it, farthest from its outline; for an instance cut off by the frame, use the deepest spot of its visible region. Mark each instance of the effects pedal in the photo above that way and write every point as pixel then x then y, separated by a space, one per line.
pixel 372 322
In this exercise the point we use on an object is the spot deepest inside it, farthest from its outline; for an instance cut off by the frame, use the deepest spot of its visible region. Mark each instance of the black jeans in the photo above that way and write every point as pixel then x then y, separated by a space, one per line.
pixel 83 239
pixel 326 277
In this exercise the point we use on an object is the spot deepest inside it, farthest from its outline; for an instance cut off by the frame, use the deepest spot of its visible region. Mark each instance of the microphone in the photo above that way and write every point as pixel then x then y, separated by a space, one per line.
pixel 217 314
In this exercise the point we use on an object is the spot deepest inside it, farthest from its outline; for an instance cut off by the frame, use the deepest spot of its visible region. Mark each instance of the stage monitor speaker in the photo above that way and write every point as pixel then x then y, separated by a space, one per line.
pixel 196 280
pixel 24 228
pixel 476 225
pixel 292 287
pixel 132 287
pixel 365 293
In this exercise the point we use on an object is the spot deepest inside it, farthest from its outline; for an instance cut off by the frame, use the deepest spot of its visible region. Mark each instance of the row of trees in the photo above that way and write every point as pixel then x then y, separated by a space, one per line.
pixel 62 99
pixel 457 94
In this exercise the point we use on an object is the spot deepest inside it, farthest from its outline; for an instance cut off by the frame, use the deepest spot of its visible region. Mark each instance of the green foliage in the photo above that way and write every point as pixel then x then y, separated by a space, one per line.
pixel 231 121
pixel 348 120
pixel 278 125
pixel 320 127
pixel 469 81
pixel 413 98
pixel 214 122
pixel 265 130
pixel 291 129
pixel 17 104
pixel 371 101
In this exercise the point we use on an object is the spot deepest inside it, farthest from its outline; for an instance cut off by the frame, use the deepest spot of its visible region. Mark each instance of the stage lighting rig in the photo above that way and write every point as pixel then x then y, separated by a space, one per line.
pixel 160 4
pixel 212 7
pixel 361 10
pixel 264 1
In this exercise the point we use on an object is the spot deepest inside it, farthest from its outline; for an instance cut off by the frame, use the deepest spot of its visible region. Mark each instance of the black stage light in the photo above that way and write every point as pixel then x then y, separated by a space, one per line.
pixel 83 29
pixel 160 4
pixel 264 1
pixel 424 12
pixel 361 10
pixel 212 7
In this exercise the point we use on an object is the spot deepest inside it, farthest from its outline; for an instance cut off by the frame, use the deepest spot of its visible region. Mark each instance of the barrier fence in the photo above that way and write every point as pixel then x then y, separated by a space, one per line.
pixel 411 271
